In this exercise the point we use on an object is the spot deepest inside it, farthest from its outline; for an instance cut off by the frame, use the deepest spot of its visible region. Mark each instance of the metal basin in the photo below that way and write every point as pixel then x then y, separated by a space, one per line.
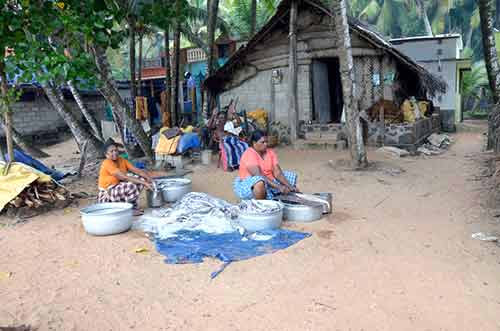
pixel 173 189
pixel 105 219
pixel 262 221
pixel 301 213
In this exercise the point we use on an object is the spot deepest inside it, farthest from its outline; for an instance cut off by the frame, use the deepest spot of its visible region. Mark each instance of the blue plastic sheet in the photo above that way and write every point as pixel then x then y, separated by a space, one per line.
pixel 194 246
pixel 188 141
pixel 21 157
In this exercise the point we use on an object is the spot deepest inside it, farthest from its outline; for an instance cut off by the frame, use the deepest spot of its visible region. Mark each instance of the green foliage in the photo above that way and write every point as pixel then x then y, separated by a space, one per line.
pixel 238 15
pixel 473 80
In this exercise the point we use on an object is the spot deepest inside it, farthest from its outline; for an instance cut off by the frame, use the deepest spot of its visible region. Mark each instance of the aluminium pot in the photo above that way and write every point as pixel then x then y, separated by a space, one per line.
pixel 155 198
pixel 105 219
pixel 253 222
pixel 173 189
pixel 328 198
pixel 301 213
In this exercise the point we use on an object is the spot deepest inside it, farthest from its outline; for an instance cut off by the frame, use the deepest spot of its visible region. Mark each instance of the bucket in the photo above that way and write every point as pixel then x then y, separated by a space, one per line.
pixel 328 197
pixel 178 162
pixel 206 157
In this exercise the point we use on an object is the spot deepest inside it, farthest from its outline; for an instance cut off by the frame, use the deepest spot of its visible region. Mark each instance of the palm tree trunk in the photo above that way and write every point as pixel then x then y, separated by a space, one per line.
pixel 253 17
pixel 79 132
pixel 131 32
pixel 468 37
pixel 489 47
pixel 423 13
pixel 168 77
pixel 292 73
pixel 7 112
pixel 493 70
pixel 88 116
pixel 351 106
pixel 177 55
pixel 139 71
pixel 497 11
pixel 109 91
pixel 212 19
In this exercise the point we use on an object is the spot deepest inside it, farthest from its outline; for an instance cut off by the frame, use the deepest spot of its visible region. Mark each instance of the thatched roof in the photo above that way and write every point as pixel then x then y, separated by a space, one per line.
pixel 428 82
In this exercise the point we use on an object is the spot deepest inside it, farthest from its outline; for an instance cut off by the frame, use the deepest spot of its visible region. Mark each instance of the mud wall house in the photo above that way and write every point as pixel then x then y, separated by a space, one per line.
pixel 258 75
pixel 441 55
pixel 34 117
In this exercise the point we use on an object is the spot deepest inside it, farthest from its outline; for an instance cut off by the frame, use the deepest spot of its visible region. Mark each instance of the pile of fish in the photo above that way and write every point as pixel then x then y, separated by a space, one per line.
pixel 171 182
pixel 259 207
pixel 194 212
pixel 201 212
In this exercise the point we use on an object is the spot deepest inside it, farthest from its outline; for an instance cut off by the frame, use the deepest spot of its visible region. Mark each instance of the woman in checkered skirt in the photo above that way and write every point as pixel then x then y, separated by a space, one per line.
pixel 260 176
pixel 115 185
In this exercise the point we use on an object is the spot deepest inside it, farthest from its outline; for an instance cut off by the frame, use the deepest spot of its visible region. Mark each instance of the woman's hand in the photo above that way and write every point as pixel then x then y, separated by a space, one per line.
pixel 284 189
pixel 148 186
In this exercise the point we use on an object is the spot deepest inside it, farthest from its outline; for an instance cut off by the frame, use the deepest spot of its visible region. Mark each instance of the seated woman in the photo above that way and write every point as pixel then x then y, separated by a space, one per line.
pixel 232 147
pixel 260 176
pixel 114 183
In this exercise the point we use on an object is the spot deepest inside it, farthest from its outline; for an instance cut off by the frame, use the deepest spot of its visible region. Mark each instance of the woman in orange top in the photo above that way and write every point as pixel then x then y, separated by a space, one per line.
pixel 260 176
pixel 114 183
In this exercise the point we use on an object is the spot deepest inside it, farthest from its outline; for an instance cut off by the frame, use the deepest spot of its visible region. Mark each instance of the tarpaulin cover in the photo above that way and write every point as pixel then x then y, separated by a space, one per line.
pixel 18 178
pixel 194 246
pixel 21 157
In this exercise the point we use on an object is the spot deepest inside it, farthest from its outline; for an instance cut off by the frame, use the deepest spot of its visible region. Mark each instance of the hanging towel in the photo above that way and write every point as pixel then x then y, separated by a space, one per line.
pixel 165 114
pixel 141 108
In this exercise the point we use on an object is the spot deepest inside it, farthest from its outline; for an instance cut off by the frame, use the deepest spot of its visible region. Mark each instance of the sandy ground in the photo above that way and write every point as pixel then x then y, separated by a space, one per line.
pixel 397 254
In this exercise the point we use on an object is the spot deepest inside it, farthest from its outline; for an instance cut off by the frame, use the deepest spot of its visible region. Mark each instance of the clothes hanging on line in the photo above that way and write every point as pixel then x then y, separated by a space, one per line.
pixel 141 108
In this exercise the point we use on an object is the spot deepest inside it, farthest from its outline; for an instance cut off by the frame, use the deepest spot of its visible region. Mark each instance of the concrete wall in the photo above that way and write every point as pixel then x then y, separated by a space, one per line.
pixel 439 57
pixel 38 117
pixel 430 49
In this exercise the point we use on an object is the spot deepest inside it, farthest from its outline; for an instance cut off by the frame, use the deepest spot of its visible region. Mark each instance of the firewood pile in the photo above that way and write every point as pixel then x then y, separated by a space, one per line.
pixel 41 195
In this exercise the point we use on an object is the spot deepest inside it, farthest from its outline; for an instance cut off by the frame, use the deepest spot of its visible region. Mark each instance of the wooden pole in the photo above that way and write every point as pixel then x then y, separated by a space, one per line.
pixel 7 113
pixel 292 72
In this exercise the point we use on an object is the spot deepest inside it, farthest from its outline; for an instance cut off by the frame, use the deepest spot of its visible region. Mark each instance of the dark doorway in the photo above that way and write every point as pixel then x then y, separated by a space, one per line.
pixel 327 91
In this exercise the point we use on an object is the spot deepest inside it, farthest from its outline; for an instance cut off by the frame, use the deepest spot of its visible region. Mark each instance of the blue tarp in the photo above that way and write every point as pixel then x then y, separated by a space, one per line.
pixel 188 141
pixel 194 246
pixel 21 157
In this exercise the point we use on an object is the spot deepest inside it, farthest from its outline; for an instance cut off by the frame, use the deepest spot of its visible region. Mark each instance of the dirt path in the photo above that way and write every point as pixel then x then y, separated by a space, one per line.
pixel 397 254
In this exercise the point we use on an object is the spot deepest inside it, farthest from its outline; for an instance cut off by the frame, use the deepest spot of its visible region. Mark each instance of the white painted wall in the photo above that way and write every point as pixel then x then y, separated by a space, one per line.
pixel 439 56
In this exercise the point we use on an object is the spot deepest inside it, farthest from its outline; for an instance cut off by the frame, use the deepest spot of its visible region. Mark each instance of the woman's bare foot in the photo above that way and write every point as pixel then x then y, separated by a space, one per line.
pixel 138 212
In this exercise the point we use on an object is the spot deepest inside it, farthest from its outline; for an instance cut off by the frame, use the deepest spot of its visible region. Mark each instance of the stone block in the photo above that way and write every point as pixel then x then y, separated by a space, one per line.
pixel 313 135
pixel 406 139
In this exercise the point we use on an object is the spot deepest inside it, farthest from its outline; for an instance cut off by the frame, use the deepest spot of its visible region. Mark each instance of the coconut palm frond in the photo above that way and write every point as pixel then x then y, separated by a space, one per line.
pixel 194 38
pixel 201 15
pixel 371 12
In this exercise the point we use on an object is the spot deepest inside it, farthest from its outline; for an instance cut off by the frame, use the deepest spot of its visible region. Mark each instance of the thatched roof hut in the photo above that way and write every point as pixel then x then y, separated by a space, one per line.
pixel 257 73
